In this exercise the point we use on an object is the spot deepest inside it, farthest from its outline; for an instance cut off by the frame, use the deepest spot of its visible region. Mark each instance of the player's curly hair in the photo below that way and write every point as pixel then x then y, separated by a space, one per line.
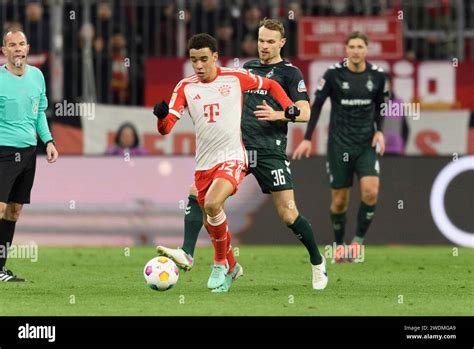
pixel 202 40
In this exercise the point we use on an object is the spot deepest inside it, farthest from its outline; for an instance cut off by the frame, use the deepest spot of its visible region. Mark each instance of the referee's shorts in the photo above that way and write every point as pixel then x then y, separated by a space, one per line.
pixel 17 173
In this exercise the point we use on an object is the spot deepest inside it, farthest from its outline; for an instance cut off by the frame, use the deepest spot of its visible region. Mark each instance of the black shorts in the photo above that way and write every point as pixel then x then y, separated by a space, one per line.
pixel 17 173
pixel 272 172
pixel 342 163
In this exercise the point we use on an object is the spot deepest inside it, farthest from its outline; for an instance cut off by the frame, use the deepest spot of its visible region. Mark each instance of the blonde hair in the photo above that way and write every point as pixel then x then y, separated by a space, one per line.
pixel 273 24
pixel 357 35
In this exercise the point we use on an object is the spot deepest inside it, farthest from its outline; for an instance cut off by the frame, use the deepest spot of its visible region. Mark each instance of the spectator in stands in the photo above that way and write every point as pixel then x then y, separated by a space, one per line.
pixel 103 24
pixel 339 8
pixel 126 142
pixel 431 18
pixel 225 37
pixel 331 8
pixel 101 44
pixel 120 69
pixel 207 15
pixel 249 46
pixel 168 26
pixel 252 16
pixel 37 28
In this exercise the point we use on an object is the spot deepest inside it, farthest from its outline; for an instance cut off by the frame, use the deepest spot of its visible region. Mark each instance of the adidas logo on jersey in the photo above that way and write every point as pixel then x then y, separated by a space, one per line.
pixel 196 97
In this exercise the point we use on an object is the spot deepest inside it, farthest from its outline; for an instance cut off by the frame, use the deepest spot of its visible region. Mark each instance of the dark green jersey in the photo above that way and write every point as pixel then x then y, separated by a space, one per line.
pixel 270 136
pixel 354 97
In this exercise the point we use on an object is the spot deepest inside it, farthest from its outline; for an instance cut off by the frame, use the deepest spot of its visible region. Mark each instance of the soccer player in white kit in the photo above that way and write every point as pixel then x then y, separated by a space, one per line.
pixel 213 97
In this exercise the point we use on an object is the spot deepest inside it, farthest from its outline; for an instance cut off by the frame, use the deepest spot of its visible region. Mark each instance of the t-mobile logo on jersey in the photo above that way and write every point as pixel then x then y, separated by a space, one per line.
pixel 211 111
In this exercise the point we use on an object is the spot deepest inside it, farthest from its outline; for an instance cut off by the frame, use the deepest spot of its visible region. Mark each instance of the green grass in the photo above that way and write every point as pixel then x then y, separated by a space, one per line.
pixel 277 281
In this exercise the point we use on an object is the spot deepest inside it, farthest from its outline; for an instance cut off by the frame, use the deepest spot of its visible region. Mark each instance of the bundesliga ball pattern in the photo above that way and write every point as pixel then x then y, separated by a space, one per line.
pixel 161 273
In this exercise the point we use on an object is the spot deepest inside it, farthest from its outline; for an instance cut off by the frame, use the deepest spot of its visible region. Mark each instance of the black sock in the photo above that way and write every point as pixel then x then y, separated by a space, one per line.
pixel 192 225
pixel 339 226
pixel 7 230
pixel 364 218
pixel 303 232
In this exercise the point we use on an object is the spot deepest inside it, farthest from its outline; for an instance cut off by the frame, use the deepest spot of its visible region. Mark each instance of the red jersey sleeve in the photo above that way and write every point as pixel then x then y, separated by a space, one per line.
pixel 278 92
pixel 166 125
pixel 176 106
pixel 249 81
pixel 178 100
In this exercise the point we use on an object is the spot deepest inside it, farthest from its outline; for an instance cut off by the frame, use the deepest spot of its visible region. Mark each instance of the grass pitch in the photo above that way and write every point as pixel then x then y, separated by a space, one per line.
pixel 402 280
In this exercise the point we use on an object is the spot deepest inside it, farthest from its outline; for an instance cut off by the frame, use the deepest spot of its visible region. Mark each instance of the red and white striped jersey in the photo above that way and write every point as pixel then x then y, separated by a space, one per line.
pixel 216 109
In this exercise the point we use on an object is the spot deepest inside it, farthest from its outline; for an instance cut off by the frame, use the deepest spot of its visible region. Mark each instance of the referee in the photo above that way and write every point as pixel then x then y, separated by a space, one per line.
pixel 22 115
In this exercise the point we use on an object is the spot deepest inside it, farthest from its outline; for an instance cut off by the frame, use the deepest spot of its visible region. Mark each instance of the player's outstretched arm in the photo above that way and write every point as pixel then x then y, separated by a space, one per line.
pixel 291 110
pixel 305 111
pixel 267 113
pixel 166 120
pixel 277 91
pixel 250 81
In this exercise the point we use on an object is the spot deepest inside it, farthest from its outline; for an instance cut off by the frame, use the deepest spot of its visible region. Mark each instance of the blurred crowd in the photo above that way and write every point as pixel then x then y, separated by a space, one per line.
pixel 124 33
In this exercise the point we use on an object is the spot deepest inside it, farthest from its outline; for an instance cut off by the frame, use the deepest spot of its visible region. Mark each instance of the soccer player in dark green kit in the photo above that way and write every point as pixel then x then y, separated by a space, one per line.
pixel 357 92
pixel 264 129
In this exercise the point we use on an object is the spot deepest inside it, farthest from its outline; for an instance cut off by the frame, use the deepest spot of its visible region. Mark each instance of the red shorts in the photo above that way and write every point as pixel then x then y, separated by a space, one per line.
pixel 232 170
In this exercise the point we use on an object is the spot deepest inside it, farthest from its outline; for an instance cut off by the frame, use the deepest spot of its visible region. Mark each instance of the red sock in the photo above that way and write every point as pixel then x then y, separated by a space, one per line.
pixel 218 230
pixel 213 241
pixel 230 254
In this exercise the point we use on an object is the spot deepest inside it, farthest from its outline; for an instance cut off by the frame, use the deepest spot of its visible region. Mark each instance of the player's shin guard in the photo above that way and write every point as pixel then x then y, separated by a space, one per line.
pixel 7 230
pixel 303 232
pixel 192 225
pixel 364 218
pixel 217 228
pixel 339 225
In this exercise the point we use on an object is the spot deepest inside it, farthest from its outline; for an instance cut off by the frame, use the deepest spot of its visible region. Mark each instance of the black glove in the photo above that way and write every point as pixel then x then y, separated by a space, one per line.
pixel 161 110
pixel 292 112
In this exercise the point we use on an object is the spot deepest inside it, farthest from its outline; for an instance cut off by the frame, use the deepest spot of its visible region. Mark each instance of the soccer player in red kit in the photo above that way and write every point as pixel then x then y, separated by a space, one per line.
pixel 213 97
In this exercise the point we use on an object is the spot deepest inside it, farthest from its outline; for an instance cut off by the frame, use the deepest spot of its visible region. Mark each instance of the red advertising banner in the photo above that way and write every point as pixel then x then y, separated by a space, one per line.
pixel 325 37
pixel 441 89
pixel 440 84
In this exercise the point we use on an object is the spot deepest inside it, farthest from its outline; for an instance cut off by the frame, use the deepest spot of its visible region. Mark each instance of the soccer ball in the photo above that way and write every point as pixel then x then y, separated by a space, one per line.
pixel 161 273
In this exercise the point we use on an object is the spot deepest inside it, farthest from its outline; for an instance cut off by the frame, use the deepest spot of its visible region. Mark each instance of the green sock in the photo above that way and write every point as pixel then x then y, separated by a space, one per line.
pixel 303 232
pixel 339 226
pixel 192 225
pixel 364 218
